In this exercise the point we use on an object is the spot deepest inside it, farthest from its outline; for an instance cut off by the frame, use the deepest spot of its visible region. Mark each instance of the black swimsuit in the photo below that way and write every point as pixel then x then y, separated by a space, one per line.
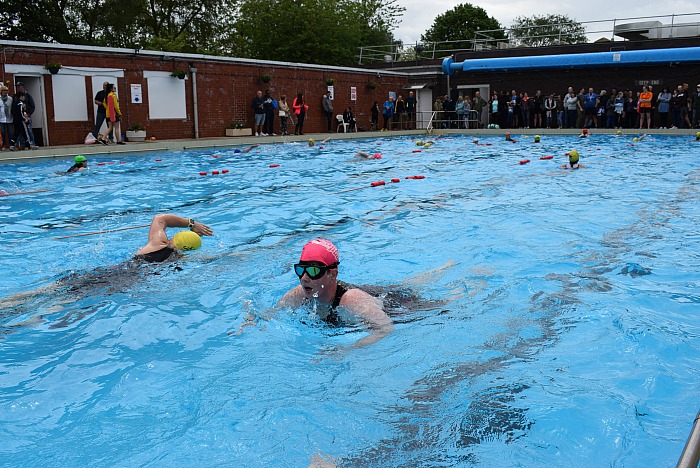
pixel 158 256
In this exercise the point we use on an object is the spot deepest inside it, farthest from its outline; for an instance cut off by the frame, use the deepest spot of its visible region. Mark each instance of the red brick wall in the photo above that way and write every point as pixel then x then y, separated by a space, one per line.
pixel 224 90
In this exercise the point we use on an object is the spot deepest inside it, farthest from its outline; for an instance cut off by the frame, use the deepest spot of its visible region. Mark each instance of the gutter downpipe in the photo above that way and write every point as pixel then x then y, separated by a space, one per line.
pixel 193 71
pixel 691 452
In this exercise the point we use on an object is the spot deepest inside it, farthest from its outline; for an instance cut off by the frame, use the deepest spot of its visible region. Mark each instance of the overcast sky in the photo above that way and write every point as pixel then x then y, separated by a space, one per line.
pixel 420 14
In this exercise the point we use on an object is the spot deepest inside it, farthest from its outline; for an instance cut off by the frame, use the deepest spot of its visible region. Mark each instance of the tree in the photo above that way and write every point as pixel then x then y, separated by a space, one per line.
pixel 461 23
pixel 313 31
pixel 547 30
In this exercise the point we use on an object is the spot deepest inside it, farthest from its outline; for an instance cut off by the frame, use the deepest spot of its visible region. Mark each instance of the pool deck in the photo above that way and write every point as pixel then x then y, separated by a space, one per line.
pixel 69 151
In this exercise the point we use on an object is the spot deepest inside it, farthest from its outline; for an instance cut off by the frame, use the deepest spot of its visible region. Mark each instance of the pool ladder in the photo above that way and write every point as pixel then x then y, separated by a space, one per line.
pixel 691 453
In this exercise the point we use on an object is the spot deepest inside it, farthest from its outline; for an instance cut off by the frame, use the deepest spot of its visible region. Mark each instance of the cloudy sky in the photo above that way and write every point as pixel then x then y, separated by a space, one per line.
pixel 420 14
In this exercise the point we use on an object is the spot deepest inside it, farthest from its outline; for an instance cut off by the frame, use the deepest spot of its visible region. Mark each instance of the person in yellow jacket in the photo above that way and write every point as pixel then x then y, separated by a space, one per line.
pixel 111 105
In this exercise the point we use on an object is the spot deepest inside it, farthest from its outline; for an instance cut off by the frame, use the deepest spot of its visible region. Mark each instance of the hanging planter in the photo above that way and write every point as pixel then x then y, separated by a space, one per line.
pixel 330 81
pixel 372 85
pixel 265 78
pixel 180 74
pixel 53 67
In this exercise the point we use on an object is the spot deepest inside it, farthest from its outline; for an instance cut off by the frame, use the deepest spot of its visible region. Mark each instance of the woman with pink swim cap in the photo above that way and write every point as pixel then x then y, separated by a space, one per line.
pixel 318 272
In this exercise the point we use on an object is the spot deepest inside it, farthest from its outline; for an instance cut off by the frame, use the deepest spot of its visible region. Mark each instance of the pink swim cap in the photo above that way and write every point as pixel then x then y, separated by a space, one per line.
pixel 320 250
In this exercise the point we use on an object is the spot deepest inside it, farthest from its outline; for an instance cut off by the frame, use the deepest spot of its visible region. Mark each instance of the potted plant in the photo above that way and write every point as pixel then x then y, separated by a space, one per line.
pixel 136 133
pixel 53 67
pixel 265 78
pixel 238 129
pixel 372 85
pixel 330 81
pixel 180 74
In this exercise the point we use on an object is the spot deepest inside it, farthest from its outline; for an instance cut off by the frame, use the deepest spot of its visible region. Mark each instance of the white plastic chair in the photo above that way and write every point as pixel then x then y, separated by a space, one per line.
pixel 341 123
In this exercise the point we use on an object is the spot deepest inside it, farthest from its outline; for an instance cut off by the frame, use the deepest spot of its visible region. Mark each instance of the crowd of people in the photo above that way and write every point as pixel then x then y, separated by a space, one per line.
pixel 643 108
pixel 16 118
pixel 398 114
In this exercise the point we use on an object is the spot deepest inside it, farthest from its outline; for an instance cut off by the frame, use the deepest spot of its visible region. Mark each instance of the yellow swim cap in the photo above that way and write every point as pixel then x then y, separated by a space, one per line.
pixel 697 135
pixel 427 145
pixel 635 139
pixel 419 143
pixel 187 240
pixel 537 138
pixel 573 156
pixel 619 132
pixel 311 142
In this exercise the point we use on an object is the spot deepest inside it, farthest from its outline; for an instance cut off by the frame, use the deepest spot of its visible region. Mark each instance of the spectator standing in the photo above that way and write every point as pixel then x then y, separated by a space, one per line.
pixel 327 107
pixel 664 102
pixel 461 117
pixel 258 106
pixel 695 106
pixel 572 105
pixel 399 111
pixel 580 111
pixel 20 117
pixel 619 109
pixel 410 109
pixel 114 116
pixel 388 112
pixel 549 108
pixel 467 111
pixel 448 107
pixel 645 107
pixel 300 109
pixel 526 105
pixel 630 110
pixel 100 112
pixel 493 107
pixel 284 114
pixel 479 104
pixel 375 116
pixel 269 106
pixel 590 108
pixel 560 111
pixel 537 109
pixel 31 107
pixel 6 120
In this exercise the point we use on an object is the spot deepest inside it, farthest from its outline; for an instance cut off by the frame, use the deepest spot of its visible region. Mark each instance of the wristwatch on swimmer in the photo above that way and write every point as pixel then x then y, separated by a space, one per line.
pixel 190 223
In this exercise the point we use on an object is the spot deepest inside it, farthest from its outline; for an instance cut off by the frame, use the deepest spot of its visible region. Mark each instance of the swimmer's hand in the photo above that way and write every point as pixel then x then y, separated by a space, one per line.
pixel 202 229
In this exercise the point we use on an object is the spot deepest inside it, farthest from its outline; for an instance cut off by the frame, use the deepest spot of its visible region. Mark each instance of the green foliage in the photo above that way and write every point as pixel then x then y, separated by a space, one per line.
pixel 313 31
pixel 460 23
pixel 538 31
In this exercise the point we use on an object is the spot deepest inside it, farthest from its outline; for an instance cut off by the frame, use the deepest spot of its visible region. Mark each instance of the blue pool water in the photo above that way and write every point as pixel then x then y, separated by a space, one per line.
pixel 564 330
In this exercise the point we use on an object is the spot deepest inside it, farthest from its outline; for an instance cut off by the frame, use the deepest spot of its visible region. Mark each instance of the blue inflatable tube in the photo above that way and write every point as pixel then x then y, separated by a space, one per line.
pixel 593 59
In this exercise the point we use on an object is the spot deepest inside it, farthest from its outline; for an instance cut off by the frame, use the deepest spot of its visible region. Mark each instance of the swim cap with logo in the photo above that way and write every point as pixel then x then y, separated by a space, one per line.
pixel 320 250
pixel 187 240
pixel 80 159
pixel 573 156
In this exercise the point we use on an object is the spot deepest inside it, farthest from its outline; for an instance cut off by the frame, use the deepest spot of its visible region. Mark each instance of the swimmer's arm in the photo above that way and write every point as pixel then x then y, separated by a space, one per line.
pixel 327 140
pixel 157 236
pixel 292 299
pixel 361 154
pixel 250 148
pixel 370 311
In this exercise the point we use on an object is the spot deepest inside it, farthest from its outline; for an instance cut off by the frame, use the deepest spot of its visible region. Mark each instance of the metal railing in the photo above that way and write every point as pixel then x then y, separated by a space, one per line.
pixel 487 40
pixel 691 453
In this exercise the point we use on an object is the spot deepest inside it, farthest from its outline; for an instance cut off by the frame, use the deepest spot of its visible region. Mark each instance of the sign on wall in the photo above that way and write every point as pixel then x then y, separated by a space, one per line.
pixel 136 94
pixel 353 93
pixel 331 89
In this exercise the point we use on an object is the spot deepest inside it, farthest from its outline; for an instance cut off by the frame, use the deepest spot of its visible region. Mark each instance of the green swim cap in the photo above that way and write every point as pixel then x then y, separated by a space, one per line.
pixel 537 138
pixel 187 240
pixel 573 156
pixel 80 159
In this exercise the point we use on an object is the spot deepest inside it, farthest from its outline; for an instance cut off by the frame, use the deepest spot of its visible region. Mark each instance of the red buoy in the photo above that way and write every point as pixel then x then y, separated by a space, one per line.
pixel 546 157
pixel 274 165
pixel 214 156
pixel 214 172
pixel 202 173
pixel 377 183
pixel 416 151
pixel 377 156
pixel 396 180
pixel 225 171
pixel 524 161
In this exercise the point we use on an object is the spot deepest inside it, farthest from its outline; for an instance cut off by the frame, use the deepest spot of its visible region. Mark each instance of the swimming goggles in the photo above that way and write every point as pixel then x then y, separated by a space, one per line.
pixel 314 271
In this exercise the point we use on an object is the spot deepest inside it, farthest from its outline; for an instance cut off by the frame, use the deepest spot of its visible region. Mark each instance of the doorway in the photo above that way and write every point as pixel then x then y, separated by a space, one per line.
pixel 34 85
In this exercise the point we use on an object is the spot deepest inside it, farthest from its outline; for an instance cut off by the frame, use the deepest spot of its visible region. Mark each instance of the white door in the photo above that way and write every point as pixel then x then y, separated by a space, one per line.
pixel 424 107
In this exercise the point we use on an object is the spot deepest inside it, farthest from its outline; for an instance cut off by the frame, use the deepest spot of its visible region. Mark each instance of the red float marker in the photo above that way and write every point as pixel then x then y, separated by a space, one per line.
pixel 202 173
pixel 214 172
pixel 546 157
pixel 416 151
pixel 274 165
pixel 225 171
pixel 377 183
pixel 524 161
pixel 320 147
pixel 416 177
pixel 214 156
pixel 158 160
pixel 377 156
pixel 396 180
pixel 101 164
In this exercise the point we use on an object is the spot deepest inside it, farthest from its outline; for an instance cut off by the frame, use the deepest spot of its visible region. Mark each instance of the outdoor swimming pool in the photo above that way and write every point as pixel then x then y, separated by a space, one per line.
pixel 570 337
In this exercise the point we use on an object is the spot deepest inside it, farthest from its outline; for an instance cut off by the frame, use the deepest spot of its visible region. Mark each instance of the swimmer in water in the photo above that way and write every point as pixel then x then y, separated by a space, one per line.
pixel 508 138
pixel 80 164
pixel 584 133
pixel 697 136
pixel 112 278
pixel 159 248
pixel 573 161
pixel 537 139
pixel 318 277
pixel 312 142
